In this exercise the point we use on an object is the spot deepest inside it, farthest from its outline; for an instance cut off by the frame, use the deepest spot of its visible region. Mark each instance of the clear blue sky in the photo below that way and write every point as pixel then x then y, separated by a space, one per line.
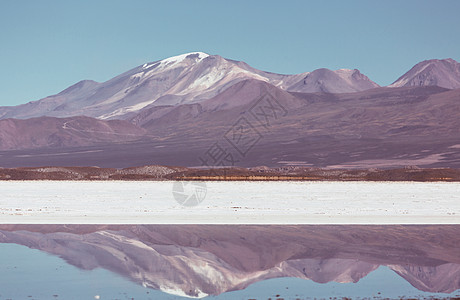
pixel 46 46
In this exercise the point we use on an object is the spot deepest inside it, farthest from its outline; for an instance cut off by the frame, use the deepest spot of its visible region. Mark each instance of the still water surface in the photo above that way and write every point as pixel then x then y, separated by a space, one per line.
pixel 228 261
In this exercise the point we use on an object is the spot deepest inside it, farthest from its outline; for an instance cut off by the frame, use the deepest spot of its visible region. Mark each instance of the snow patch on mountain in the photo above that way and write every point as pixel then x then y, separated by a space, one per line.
pixel 171 61
pixel 187 78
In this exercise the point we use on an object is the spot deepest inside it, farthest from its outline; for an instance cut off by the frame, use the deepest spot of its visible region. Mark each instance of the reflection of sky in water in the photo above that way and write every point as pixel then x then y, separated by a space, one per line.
pixel 26 272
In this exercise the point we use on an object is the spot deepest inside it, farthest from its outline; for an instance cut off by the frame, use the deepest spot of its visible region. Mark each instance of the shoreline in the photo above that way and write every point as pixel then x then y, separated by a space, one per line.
pixel 241 220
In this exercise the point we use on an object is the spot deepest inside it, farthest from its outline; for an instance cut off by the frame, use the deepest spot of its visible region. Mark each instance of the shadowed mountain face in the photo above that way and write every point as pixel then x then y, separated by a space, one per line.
pixel 199 260
pixel 64 132
pixel 435 72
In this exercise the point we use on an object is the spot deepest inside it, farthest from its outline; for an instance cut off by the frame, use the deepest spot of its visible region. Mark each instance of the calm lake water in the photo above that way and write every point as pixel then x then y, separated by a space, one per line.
pixel 228 261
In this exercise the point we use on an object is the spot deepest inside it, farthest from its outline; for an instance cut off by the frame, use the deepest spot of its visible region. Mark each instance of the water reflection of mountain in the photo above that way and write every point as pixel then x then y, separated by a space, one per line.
pixel 196 260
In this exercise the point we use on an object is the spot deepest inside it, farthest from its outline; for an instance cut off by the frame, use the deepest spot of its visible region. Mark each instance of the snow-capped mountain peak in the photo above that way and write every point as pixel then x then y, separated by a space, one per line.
pixel 175 60
pixel 187 78
pixel 179 58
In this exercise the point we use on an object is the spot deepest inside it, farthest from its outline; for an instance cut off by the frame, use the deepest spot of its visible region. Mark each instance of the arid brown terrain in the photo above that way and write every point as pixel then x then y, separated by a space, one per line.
pixel 250 174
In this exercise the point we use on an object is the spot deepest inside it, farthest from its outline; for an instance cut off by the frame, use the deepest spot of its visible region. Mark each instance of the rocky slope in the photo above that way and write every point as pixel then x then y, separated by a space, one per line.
pixel 434 72
pixel 339 81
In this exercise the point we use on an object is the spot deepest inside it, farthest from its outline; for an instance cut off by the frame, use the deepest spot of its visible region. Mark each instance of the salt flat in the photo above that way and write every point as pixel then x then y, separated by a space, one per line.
pixel 141 202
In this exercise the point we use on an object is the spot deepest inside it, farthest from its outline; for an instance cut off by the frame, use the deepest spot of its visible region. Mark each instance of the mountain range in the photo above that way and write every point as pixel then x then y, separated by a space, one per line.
pixel 183 79
pixel 171 111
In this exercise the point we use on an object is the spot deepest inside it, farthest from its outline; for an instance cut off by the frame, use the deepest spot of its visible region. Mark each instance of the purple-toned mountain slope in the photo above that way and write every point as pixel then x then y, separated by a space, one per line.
pixel 440 72
pixel 187 78
pixel 49 132
pixel 175 109
pixel 381 127
pixel 339 81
